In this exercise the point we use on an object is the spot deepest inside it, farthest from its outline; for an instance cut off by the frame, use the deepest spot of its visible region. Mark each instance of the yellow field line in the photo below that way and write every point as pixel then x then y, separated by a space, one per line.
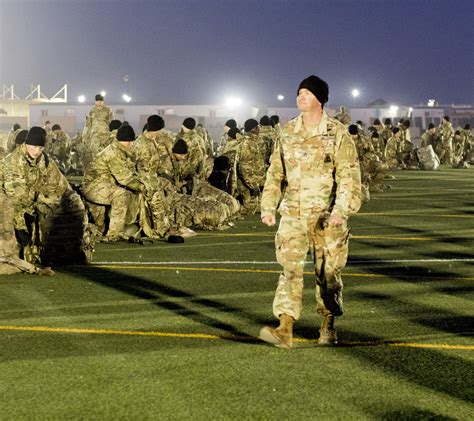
pixel 181 268
pixel 46 329
pixel 431 215
pixel 371 237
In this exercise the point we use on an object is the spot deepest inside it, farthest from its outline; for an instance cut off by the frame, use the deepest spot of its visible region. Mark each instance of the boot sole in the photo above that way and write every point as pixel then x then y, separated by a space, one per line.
pixel 267 335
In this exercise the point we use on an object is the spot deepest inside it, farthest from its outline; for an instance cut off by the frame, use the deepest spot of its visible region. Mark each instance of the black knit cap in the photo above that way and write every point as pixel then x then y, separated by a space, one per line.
pixel 318 87
pixel 377 122
pixel 250 124
pixel 232 133
pixel 375 135
pixel 406 124
pixel 36 136
pixel 99 97
pixel 231 123
pixel 395 130
pixel 154 123
pixel 265 121
pixel 431 126
pixel 189 123
pixel 16 126
pixel 467 127
pixel 21 137
pixel 125 134
pixel 180 147
pixel 446 117
pixel 353 129
pixel 275 119
pixel 56 127
pixel 114 125
pixel 388 121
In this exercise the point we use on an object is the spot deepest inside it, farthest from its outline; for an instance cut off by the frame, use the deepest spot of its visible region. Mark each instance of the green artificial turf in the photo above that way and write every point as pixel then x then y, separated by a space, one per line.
pixel 169 331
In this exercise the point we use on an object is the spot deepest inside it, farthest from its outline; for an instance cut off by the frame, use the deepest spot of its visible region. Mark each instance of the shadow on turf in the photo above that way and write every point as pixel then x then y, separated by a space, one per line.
pixel 161 295
pixel 425 367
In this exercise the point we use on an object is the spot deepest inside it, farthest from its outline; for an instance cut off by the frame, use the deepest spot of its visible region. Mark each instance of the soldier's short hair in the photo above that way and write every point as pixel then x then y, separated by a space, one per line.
pixel 56 127
pixel 353 129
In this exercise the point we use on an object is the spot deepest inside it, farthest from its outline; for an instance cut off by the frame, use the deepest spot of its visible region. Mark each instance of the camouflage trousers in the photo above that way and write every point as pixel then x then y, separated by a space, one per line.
pixel 124 207
pixel 250 203
pixel 329 247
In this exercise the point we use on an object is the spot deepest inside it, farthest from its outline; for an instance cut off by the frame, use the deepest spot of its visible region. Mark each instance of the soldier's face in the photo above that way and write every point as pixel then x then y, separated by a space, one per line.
pixel 180 157
pixel 34 151
pixel 99 103
pixel 306 101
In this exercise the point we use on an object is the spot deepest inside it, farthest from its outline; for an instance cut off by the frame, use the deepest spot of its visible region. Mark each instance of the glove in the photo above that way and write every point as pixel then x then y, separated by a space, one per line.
pixel 23 237
pixel 255 192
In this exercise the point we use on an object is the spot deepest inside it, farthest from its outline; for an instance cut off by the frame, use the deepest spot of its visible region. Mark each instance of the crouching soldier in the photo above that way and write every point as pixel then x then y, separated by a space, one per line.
pixel 111 183
pixel 42 200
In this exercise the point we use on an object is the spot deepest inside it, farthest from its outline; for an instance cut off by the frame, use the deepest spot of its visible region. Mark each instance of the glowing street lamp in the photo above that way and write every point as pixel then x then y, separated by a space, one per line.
pixel 126 98
pixel 81 98
pixel 103 93
pixel 280 97
pixel 355 93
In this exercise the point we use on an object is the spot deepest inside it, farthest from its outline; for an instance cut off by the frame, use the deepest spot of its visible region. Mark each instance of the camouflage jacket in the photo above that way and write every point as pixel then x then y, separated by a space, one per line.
pixel 114 166
pixel 446 132
pixel 266 138
pixel 250 162
pixel 152 156
pixel 392 148
pixel 99 119
pixel 61 145
pixel 11 140
pixel 32 184
pixel 320 167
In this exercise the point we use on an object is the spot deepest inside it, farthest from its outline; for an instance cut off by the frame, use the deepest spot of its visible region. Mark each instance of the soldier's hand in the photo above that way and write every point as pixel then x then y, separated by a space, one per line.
pixel 336 220
pixel 269 220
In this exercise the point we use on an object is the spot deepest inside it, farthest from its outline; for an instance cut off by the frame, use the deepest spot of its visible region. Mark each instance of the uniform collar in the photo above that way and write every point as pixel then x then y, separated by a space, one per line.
pixel 318 130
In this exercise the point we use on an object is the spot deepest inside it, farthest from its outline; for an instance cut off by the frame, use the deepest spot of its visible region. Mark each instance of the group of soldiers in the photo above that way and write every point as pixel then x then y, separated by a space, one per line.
pixel 164 185
pixel 157 185
pixel 384 146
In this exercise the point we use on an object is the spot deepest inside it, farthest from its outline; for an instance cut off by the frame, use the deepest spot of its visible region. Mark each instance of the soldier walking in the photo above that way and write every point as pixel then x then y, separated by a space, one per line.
pixel 318 159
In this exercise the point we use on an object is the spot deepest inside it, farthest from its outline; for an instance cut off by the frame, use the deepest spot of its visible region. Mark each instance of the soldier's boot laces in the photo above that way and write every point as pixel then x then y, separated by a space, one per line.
pixel 327 333
pixel 282 336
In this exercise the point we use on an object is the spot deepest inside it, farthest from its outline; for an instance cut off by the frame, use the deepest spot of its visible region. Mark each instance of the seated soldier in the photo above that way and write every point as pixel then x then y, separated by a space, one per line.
pixel 112 181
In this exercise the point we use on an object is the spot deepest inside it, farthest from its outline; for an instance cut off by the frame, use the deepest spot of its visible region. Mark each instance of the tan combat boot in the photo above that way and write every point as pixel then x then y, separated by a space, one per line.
pixel 282 336
pixel 327 333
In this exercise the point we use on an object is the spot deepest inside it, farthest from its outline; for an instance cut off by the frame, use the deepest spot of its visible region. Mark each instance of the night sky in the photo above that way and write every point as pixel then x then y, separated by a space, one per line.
pixel 200 51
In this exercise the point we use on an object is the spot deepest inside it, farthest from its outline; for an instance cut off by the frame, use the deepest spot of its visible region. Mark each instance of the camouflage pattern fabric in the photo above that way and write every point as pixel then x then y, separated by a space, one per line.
pixel 266 140
pixel 97 133
pixel 251 173
pixel 323 179
pixel 392 153
pixel 61 150
pixel 11 139
pixel 446 133
pixel 111 180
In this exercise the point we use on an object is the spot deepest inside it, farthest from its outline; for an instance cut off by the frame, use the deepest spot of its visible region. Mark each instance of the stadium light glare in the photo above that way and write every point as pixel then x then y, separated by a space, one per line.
pixel 81 98
pixel 280 97
pixel 126 98
pixel 233 102
pixel 103 93
pixel 355 93
pixel 431 102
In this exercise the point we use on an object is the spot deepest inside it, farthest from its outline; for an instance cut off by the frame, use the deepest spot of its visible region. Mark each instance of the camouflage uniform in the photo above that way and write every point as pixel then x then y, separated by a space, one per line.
pixel 112 180
pixel 446 132
pixel 208 142
pixel 47 208
pixel 61 150
pixel 392 153
pixel 11 139
pixel 468 145
pixel 231 150
pixel 250 172
pixel 323 177
pixel 343 116
pixel 266 140
pixel 96 132
pixel 155 209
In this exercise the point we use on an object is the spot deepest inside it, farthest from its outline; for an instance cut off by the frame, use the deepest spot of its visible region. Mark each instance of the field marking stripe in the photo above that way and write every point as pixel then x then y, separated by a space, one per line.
pixel 178 268
pixel 45 329
pixel 272 262
pixel 365 237
pixel 431 215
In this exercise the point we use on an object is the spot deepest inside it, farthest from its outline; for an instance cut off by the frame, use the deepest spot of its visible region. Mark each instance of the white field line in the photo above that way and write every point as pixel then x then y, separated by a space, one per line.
pixel 250 262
